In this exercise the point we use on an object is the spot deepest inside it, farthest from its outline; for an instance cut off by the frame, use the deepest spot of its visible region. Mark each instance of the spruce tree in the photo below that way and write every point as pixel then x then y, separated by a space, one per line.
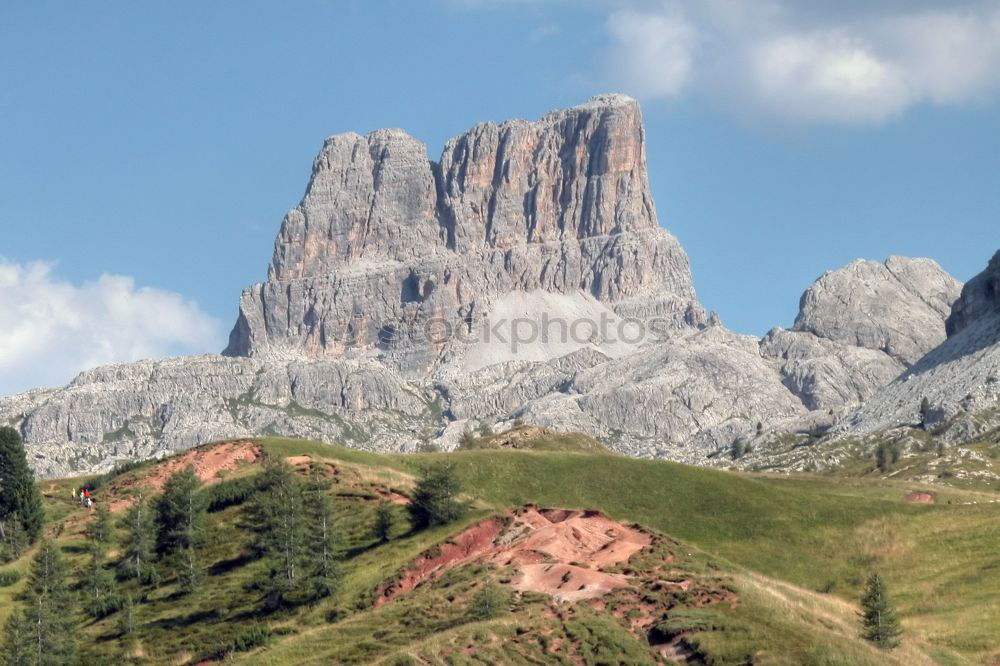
pixel 178 513
pixel 879 623
pixel 434 500
pixel 178 516
pixel 126 618
pixel 43 633
pixel 321 537
pixel 17 647
pixel 101 528
pixel 97 585
pixel 20 497
pixel 16 541
pixel 276 515
pixel 384 519
pixel 139 543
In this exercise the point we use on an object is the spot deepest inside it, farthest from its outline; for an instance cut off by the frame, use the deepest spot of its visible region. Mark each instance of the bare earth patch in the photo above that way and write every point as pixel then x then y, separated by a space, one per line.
pixel 556 552
pixel 917 497
pixel 208 463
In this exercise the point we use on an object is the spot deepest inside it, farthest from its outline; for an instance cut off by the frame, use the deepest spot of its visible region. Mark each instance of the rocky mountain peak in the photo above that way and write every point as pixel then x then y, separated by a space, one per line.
pixel 385 239
pixel 897 306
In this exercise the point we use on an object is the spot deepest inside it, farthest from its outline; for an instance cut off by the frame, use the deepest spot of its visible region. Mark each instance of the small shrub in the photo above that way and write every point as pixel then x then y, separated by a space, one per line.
pixel 230 493
pixel 468 440
pixel 489 602
pixel 251 638
pixel 8 578
pixel 738 449
pixel 107 605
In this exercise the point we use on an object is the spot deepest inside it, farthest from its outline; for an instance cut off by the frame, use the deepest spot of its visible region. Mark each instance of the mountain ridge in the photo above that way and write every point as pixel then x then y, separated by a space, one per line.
pixel 519 224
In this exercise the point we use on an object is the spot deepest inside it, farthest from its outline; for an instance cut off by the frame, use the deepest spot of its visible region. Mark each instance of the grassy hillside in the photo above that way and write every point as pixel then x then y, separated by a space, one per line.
pixel 774 566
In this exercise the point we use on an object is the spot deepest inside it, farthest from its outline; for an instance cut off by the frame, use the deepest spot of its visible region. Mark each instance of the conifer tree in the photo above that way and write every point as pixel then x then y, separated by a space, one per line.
pixel 101 528
pixel 178 513
pixel 97 585
pixel 17 648
pixel 43 633
pixel 16 541
pixel 322 539
pixel 879 623
pixel 434 498
pixel 178 516
pixel 277 517
pixel 139 543
pixel 384 519
pixel 126 618
pixel 190 573
pixel 20 498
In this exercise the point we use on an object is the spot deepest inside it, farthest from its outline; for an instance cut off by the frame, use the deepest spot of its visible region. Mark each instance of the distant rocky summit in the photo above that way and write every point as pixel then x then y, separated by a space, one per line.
pixel 521 277
pixel 859 327
pixel 386 242
pixel 959 380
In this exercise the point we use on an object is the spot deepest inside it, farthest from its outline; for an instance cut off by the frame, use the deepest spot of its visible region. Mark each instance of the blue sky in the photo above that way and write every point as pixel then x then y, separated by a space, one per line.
pixel 159 144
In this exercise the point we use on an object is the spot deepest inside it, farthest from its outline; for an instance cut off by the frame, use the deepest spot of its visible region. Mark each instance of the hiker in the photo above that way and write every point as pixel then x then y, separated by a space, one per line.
pixel 90 504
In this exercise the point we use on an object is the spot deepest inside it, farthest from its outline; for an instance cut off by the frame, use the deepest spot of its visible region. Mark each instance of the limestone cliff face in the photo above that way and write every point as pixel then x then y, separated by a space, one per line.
pixel 980 297
pixel 385 240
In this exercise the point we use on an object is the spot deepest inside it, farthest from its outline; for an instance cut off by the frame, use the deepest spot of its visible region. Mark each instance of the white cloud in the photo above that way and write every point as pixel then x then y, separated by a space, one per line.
pixel 51 329
pixel 806 61
pixel 667 40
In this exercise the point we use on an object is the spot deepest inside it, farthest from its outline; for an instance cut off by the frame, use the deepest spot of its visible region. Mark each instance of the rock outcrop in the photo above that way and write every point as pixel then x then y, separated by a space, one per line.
pixel 141 410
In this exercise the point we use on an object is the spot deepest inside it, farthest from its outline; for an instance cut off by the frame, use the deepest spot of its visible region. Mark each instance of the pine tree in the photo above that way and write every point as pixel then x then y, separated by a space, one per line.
pixel 178 513
pixel 190 573
pixel 321 537
pixel 17 648
pixel 44 632
pixel 101 528
pixel 277 517
pixel 97 585
pixel 126 618
pixel 384 519
pixel 879 623
pixel 434 500
pixel 139 543
pixel 20 496
pixel 16 541
pixel 178 516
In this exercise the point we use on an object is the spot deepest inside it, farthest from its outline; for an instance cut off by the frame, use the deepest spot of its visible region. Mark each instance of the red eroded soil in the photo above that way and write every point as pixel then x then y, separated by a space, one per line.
pixel 917 497
pixel 208 463
pixel 471 543
pixel 556 552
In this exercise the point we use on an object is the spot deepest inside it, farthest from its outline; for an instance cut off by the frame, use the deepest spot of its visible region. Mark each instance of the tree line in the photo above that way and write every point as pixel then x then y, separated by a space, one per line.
pixel 289 519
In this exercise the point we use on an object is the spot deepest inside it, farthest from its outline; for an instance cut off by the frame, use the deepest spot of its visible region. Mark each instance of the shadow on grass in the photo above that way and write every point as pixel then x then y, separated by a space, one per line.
pixel 187 620
pixel 225 566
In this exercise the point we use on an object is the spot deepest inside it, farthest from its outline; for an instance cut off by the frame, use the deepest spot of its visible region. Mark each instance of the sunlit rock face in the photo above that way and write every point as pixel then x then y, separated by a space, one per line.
pixel 386 241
